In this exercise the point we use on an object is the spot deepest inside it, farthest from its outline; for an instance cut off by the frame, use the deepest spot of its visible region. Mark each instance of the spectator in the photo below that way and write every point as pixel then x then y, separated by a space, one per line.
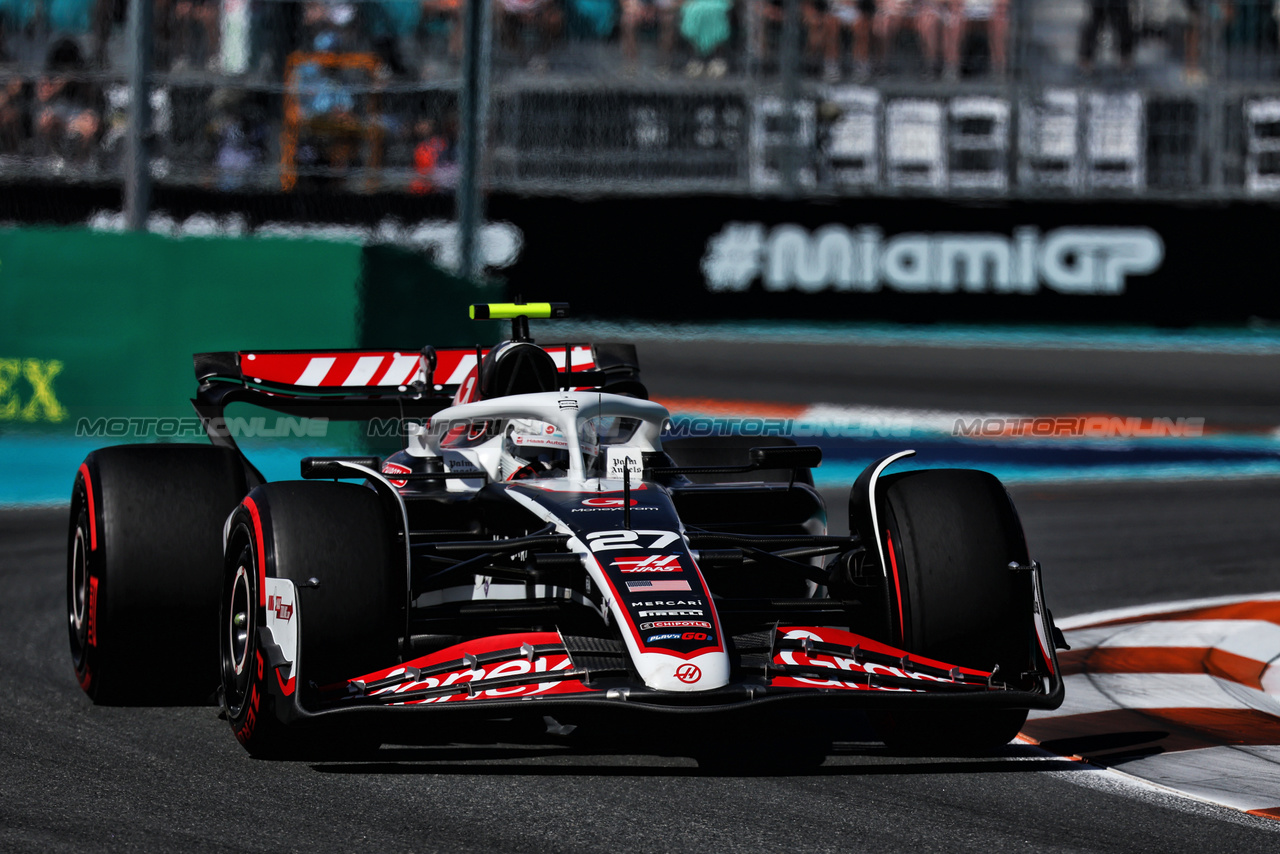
pixel 386 22
pixel 115 124
pixel 1251 38
pixel 1102 12
pixel 994 14
pixel 813 13
pixel 855 16
pixel 62 18
pixel 237 133
pixel 517 18
pixel 67 17
pixel 194 33
pixel 66 113
pixel 890 15
pixel 107 15
pixel 275 31
pixel 446 13
pixel 329 27
pixel 638 13
pixel 432 156
pixel 1191 43
pixel 15 15
pixel 595 19
pixel 13 116
pixel 705 25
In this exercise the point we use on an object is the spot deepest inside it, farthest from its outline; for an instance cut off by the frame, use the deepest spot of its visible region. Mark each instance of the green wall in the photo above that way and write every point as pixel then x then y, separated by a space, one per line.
pixel 406 302
pixel 102 325
pixel 98 324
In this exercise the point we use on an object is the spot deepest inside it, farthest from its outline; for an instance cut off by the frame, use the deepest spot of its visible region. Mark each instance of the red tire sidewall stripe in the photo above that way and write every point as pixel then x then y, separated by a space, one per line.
pixel 262 553
pixel 897 585
pixel 93 521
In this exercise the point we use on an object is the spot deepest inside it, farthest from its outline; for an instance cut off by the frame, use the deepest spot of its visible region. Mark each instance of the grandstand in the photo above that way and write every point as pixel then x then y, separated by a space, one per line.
pixel 1000 99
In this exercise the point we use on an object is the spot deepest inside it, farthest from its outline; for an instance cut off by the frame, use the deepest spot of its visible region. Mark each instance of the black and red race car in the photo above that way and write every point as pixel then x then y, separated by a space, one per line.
pixel 535 551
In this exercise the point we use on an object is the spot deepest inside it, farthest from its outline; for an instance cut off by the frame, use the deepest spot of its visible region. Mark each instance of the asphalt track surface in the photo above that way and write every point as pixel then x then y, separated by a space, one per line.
pixel 82 778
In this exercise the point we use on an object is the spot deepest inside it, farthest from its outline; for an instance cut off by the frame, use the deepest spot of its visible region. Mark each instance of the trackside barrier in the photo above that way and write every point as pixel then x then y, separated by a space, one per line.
pixel 97 329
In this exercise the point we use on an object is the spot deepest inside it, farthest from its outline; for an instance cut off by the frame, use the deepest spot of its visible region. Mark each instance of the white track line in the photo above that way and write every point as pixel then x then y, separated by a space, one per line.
pixel 1076 621
pixel 1257 639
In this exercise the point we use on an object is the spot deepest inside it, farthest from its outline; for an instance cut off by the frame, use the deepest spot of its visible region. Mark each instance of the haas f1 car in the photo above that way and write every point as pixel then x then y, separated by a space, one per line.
pixel 536 550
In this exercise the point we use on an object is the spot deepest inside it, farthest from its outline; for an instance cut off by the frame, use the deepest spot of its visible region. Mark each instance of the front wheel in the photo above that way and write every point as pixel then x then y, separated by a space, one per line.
pixel 950 535
pixel 333 541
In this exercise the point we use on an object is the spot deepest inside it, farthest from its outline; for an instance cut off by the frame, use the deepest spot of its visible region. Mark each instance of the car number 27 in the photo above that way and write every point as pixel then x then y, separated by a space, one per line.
pixel 603 541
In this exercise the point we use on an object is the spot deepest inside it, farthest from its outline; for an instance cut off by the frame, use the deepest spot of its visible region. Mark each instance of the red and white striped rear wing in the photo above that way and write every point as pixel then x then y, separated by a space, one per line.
pixel 363 372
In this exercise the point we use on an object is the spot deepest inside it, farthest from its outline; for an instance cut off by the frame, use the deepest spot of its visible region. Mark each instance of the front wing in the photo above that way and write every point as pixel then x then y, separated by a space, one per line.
pixel 795 666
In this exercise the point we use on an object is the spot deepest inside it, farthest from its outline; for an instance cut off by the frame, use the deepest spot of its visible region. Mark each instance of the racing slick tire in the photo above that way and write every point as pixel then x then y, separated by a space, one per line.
pixel 144 567
pixel 335 543
pixel 951 536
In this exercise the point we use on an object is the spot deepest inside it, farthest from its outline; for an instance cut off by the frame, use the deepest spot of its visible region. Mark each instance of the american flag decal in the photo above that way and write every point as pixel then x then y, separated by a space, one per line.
pixel 657 586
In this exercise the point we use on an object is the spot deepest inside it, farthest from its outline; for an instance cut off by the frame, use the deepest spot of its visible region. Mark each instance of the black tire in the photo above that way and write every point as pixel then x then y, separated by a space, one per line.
pixel 953 533
pixel 144 567
pixel 339 535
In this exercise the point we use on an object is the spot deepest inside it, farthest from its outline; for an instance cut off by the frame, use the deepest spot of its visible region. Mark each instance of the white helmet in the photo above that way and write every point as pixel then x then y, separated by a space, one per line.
pixel 532 448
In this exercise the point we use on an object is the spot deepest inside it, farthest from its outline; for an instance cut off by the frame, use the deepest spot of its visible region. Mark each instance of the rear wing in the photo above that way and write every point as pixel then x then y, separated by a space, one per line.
pixel 303 371
pixel 366 375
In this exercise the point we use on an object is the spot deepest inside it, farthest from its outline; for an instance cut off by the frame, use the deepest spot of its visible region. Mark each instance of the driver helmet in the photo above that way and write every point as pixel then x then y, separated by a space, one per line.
pixel 532 448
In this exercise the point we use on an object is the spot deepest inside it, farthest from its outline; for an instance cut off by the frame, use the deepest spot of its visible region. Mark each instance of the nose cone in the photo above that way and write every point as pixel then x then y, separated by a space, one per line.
pixel 670 673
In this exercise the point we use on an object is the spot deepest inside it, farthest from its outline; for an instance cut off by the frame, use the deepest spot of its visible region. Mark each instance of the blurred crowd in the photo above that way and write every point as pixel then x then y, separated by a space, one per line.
pixel 330 87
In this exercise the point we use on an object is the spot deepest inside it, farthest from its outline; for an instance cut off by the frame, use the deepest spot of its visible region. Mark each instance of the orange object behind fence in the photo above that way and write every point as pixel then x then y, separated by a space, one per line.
pixel 348 118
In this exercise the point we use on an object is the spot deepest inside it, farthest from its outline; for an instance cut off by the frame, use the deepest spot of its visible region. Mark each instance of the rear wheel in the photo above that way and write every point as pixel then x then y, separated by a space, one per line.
pixel 144 561
pixel 333 541
pixel 950 536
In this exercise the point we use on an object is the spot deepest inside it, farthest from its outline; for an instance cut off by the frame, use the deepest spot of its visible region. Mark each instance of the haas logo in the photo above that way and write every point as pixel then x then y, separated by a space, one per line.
pixel 688 673
pixel 395 468
pixel 283 610
pixel 607 502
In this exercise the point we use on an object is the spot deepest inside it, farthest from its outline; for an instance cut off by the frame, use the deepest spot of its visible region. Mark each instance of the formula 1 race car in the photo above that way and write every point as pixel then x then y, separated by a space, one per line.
pixel 535 551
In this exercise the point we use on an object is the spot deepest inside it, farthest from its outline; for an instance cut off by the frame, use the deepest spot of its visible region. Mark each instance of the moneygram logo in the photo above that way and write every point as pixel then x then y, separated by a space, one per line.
pixel 607 502
pixel 1073 260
